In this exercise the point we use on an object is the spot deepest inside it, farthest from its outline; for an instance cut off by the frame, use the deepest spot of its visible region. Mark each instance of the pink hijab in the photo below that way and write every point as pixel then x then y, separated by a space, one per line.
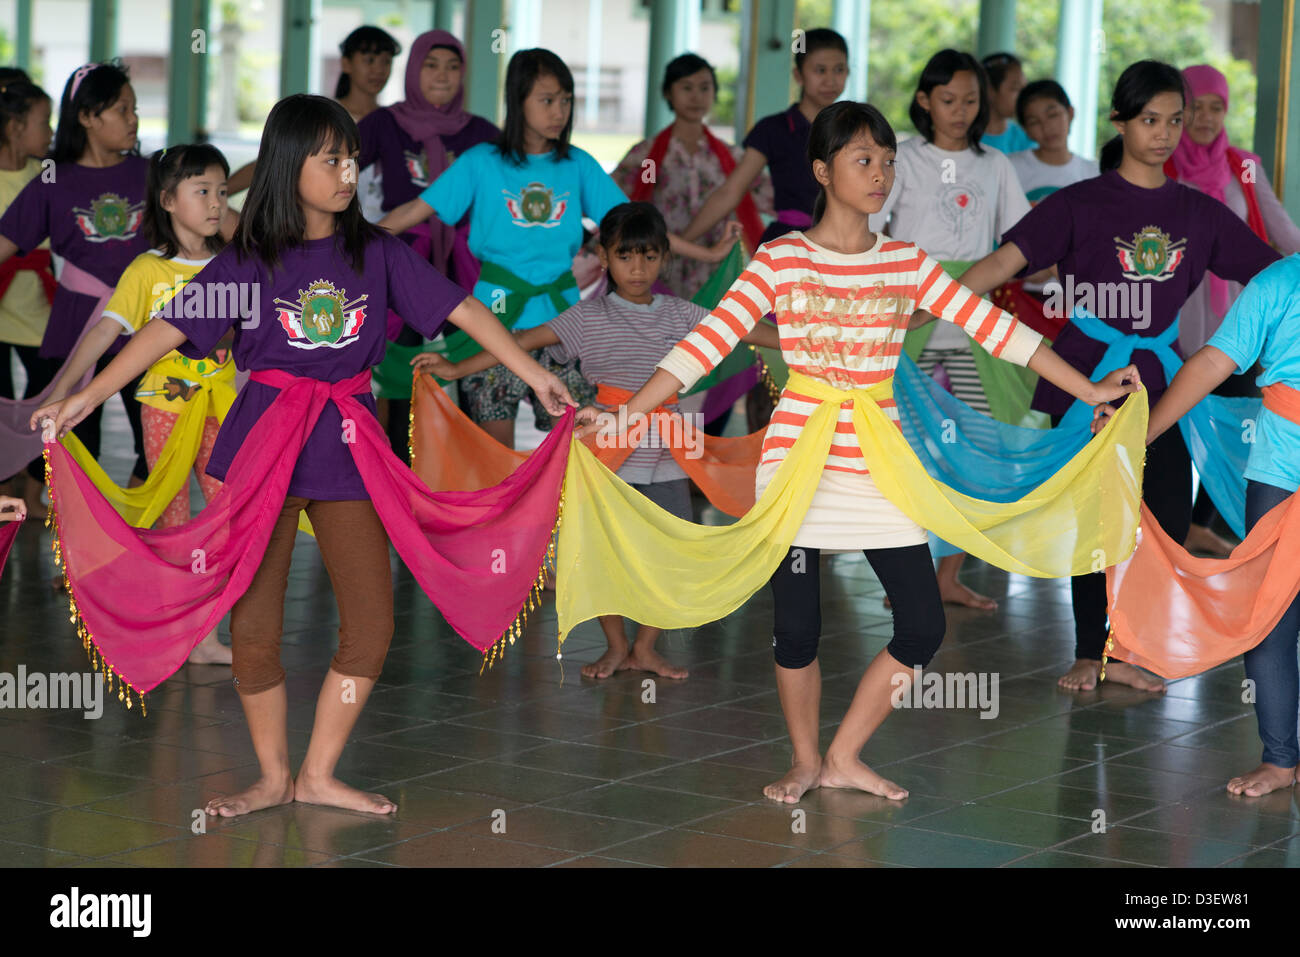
pixel 420 119
pixel 1207 167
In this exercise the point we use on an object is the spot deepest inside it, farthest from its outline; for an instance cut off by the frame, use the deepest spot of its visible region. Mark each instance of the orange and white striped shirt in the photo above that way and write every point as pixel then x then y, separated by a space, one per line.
pixel 842 318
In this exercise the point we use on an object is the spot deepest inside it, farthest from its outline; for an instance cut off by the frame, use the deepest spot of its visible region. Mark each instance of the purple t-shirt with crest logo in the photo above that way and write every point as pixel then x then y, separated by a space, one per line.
pixel 400 160
pixel 313 316
pixel 93 217
pixel 1137 253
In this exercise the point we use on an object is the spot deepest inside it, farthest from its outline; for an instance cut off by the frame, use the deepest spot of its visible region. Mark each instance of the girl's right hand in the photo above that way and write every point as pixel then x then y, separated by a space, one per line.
pixel 430 363
pixel 59 418
pixel 718 251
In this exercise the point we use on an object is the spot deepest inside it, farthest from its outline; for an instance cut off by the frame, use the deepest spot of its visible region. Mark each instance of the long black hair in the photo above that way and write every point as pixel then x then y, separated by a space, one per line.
pixel 521 73
pixel 99 89
pixel 272 220
pixel 835 127
pixel 820 38
pixel 167 170
pixel 18 95
pixel 939 71
pixel 634 228
pixel 363 40
pixel 688 64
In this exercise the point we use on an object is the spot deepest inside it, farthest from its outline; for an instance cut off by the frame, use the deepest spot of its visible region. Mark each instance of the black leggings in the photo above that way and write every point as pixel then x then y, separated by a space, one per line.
pixel 1167 491
pixel 908 576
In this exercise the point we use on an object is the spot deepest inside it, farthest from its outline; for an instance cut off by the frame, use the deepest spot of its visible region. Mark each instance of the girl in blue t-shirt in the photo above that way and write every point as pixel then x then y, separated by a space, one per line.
pixel 1263 325
pixel 526 196
pixel 302 239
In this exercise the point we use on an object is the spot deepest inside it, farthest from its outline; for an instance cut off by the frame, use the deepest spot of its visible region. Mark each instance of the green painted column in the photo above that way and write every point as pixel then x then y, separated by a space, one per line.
pixel 187 69
pixel 443 12
pixel 297 28
pixel 1078 67
pixel 766 58
pixel 670 35
pixel 1277 101
pixel 487 48
pixel 103 30
pixel 852 20
pixel 997 27
pixel 23 35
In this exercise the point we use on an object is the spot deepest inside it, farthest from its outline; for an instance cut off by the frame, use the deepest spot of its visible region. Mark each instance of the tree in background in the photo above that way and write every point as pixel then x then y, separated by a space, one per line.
pixel 904 33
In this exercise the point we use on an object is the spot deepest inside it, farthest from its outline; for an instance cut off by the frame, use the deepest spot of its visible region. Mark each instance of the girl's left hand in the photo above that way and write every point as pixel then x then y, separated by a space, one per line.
pixel 1118 383
pixel 12 509
pixel 430 363
pixel 719 250
pixel 553 393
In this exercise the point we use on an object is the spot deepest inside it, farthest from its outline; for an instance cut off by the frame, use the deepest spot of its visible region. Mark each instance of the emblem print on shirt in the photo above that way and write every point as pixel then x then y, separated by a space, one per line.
pixel 416 168
pixel 110 217
pixel 960 205
pixel 1151 254
pixel 322 316
pixel 536 205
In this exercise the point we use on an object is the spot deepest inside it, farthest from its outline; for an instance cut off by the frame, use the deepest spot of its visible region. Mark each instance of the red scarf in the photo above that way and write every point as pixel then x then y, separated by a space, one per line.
pixel 37 261
pixel 747 211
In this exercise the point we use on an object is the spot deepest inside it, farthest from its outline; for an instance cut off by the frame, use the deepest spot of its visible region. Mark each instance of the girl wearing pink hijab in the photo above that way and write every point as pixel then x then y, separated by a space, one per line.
pixel 1205 159
pixel 404 148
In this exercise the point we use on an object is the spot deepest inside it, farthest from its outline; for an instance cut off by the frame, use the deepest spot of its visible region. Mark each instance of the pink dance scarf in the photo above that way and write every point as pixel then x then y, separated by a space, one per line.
pixel 142 599
pixel 18 443
pixel 8 532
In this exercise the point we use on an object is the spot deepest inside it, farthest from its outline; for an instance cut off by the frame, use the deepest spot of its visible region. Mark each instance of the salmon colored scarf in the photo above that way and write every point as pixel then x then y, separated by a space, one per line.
pixel 1178 615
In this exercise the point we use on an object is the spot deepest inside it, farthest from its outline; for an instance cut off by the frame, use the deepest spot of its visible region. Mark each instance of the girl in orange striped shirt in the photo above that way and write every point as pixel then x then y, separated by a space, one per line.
pixel 843 297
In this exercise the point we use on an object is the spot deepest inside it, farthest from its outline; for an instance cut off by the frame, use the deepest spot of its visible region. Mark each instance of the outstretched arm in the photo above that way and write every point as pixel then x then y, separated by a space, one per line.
pixel 994 269
pixel 485 329
pixel 1199 376
pixel 401 218
pixel 538 337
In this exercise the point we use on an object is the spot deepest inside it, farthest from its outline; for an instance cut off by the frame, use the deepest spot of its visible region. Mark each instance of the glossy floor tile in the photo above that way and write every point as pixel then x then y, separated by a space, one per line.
pixel 532 765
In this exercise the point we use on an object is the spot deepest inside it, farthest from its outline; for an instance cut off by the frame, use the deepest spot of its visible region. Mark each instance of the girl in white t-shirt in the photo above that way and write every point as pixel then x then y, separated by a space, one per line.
pixel 954 198
pixel 1045 112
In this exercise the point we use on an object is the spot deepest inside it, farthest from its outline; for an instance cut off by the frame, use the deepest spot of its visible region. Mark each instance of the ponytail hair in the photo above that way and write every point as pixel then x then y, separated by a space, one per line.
pixel 363 40
pixel 835 127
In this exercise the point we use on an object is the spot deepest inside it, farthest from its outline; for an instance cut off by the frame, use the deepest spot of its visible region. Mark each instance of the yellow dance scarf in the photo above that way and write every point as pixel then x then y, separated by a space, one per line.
pixel 620 554
pixel 141 506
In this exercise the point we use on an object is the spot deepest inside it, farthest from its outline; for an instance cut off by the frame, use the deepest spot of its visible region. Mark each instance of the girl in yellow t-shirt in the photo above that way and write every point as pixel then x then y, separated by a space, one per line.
pixel 184 212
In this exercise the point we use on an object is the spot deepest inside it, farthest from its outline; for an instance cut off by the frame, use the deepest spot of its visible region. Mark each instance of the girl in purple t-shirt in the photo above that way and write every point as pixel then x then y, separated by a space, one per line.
pixel 1130 246
pixel 305 284
pixel 90 205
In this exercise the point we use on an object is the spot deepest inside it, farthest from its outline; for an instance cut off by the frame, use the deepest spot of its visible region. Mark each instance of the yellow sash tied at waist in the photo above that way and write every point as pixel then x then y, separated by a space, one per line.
pixel 620 554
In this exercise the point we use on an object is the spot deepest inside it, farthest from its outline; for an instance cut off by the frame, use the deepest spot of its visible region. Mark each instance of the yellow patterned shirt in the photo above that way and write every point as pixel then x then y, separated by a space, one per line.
pixel 147 286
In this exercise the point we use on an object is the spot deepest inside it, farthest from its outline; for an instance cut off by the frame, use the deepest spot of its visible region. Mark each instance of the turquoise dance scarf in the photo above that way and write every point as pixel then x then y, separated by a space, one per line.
pixel 1216 430
pixel 991 460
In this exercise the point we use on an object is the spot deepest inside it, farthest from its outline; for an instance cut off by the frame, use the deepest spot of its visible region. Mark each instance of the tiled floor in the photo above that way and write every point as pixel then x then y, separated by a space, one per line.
pixel 532 765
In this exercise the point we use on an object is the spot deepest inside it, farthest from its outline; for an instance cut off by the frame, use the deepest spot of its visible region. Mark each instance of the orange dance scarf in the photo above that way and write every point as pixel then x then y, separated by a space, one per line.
pixel 1178 615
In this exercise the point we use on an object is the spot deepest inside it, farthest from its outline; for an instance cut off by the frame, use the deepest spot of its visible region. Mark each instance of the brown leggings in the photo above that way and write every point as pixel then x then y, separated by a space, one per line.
pixel 354 547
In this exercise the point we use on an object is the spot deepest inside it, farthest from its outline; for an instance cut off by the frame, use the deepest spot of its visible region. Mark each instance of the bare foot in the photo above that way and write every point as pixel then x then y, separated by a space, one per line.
pixel 1082 675
pixel 262 794
pixel 652 661
pixel 331 792
pixel 210 651
pixel 1122 673
pixel 955 593
pixel 615 659
pixel 1263 780
pixel 839 773
pixel 1202 539
pixel 800 779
